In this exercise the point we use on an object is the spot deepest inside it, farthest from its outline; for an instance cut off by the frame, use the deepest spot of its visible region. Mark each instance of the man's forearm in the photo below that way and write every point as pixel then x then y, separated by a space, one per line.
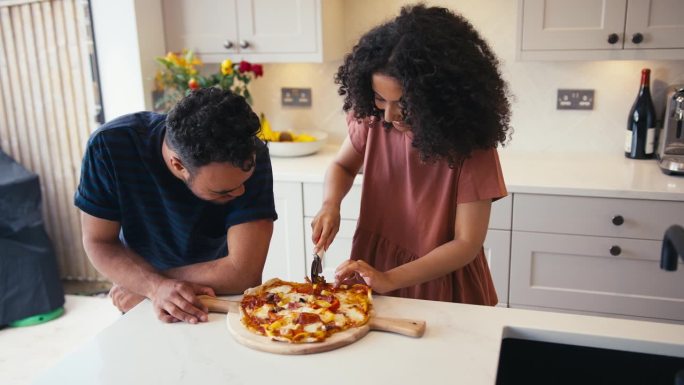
pixel 220 274
pixel 124 267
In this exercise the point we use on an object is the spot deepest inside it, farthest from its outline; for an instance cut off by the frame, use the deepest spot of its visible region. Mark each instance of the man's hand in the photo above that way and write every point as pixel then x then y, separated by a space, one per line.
pixel 175 301
pixel 123 299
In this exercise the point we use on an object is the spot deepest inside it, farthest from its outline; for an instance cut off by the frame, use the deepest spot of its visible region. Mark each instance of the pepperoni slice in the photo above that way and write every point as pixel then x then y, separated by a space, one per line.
pixel 308 318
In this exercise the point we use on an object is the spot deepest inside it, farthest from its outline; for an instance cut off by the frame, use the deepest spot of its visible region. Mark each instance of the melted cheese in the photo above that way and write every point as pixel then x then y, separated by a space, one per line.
pixel 355 315
pixel 262 312
pixel 311 328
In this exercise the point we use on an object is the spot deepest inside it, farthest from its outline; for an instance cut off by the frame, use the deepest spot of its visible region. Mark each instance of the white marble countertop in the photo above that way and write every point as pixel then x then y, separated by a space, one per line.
pixel 610 175
pixel 461 346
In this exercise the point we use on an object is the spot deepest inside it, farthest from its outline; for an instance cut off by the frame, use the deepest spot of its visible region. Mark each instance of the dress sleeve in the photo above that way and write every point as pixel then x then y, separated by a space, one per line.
pixel 481 178
pixel 358 132
pixel 257 202
pixel 96 192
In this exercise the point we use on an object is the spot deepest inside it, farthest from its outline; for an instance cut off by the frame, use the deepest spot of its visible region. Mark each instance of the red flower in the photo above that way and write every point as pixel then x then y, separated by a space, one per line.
pixel 245 66
pixel 258 70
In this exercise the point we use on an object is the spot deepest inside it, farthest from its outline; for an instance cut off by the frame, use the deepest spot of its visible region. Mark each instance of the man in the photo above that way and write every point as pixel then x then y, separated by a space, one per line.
pixel 179 205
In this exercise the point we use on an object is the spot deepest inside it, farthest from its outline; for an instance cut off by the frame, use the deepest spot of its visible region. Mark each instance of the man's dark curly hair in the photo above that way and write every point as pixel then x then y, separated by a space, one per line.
pixel 213 125
pixel 454 98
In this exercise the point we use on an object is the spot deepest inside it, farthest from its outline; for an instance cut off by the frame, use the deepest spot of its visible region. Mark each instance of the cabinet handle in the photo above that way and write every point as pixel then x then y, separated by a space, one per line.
pixel 227 44
pixel 618 220
pixel 637 38
pixel 615 250
pixel 244 44
pixel 613 38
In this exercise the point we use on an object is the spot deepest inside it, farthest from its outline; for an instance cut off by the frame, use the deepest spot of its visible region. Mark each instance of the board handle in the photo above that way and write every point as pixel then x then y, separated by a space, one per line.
pixel 217 305
pixel 407 327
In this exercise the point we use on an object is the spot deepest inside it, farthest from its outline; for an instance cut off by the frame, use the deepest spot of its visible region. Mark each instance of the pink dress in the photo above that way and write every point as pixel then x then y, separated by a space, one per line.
pixel 408 208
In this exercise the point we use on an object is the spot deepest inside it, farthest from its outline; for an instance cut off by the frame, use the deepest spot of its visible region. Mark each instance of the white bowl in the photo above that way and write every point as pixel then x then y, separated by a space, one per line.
pixel 290 149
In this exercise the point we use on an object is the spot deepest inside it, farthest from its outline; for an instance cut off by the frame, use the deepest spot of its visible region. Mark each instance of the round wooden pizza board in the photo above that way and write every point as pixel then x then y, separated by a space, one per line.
pixel 267 344
pixel 411 328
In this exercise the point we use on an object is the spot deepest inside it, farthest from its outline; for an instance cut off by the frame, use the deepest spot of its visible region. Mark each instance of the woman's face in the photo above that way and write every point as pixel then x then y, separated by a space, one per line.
pixel 387 93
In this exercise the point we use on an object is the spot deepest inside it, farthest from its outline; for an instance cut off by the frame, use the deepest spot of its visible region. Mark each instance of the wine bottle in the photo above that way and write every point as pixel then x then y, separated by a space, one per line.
pixel 641 131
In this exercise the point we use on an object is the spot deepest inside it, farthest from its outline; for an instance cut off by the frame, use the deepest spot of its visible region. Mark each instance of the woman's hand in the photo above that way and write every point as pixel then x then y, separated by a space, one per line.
pixel 175 301
pixel 379 281
pixel 325 226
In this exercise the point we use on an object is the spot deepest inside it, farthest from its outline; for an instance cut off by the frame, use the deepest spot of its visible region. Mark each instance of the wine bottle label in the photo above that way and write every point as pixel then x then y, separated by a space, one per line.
pixel 650 141
pixel 628 141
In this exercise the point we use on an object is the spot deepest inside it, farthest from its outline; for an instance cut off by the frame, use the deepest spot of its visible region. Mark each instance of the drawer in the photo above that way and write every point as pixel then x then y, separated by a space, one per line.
pixel 502 210
pixel 313 199
pixel 339 251
pixel 579 273
pixel 644 219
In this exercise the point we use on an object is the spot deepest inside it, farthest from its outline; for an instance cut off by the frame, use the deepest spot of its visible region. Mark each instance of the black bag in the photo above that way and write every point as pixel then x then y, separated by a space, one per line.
pixel 29 276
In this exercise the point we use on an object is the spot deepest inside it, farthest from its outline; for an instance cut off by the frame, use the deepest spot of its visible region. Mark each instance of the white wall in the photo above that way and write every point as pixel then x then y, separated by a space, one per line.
pixel 128 36
pixel 538 125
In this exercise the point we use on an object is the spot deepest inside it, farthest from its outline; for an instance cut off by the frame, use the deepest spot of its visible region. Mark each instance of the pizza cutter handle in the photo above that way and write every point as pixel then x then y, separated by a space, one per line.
pixel 407 327
pixel 217 305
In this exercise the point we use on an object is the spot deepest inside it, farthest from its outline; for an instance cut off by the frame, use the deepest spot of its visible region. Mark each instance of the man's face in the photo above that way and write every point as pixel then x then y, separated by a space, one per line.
pixel 218 182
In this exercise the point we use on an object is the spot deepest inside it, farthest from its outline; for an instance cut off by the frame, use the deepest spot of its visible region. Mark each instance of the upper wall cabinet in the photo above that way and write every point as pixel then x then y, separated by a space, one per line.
pixel 265 31
pixel 601 29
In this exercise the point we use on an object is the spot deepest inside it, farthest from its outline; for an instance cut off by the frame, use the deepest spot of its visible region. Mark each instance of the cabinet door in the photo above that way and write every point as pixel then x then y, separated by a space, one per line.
pixel 286 252
pixel 278 26
pixel 339 250
pixel 204 26
pixel 568 272
pixel 572 25
pixel 660 22
pixel 497 250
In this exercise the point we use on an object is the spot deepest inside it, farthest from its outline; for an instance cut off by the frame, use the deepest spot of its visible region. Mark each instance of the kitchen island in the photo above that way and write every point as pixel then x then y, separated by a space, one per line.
pixel 461 346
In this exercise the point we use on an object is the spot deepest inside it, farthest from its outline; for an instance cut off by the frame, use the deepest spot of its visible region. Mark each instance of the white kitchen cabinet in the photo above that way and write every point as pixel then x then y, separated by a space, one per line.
pixel 255 30
pixel 589 254
pixel 600 29
pixel 285 258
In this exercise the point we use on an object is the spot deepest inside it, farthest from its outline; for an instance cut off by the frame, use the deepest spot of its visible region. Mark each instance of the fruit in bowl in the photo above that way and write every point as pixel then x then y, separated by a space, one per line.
pixel 289 143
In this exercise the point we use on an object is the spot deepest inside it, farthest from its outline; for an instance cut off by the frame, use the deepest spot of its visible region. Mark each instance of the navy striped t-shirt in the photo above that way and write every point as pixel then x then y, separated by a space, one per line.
pixel 124 179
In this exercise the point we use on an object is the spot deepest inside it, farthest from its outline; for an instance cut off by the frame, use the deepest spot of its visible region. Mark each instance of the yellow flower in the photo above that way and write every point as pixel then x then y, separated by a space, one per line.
pixel 173 58
pixel 227 67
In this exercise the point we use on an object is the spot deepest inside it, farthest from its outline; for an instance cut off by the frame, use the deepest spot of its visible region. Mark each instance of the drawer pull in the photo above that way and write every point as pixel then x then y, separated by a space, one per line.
pixel 615 250
pixel 618 220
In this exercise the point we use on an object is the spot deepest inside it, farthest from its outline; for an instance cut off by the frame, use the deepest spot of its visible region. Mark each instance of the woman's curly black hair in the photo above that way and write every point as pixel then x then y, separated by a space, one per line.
pixel 454 98
pixel 213 125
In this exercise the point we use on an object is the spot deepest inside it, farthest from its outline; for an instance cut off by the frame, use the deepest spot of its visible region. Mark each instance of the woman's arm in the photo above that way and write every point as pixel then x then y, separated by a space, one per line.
pixel 338 181
pixel 472 220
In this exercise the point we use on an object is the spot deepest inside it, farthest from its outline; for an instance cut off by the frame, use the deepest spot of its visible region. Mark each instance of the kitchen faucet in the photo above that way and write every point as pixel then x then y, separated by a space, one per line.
pixel 673 246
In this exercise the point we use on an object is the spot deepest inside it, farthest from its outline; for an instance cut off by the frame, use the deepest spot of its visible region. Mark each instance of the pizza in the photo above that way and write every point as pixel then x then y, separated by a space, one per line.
pixel 304 312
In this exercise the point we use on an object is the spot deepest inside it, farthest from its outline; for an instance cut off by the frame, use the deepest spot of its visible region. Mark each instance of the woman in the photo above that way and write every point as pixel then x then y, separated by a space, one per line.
pixel 426 108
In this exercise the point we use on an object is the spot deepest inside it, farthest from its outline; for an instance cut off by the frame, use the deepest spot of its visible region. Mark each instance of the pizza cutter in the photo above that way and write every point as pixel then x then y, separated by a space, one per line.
pixel 317 269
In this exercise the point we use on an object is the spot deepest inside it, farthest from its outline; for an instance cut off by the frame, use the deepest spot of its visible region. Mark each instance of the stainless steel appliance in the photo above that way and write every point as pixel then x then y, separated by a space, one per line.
pixel 671 143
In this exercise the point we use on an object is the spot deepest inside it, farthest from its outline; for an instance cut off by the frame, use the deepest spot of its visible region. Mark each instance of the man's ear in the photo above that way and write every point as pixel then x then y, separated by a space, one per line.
pixel 178 166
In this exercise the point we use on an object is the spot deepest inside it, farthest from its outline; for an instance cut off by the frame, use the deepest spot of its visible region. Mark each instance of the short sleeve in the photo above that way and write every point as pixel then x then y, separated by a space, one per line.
pixel 358 132
pixel 257 202
pixel 95 194
pixel 481 177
